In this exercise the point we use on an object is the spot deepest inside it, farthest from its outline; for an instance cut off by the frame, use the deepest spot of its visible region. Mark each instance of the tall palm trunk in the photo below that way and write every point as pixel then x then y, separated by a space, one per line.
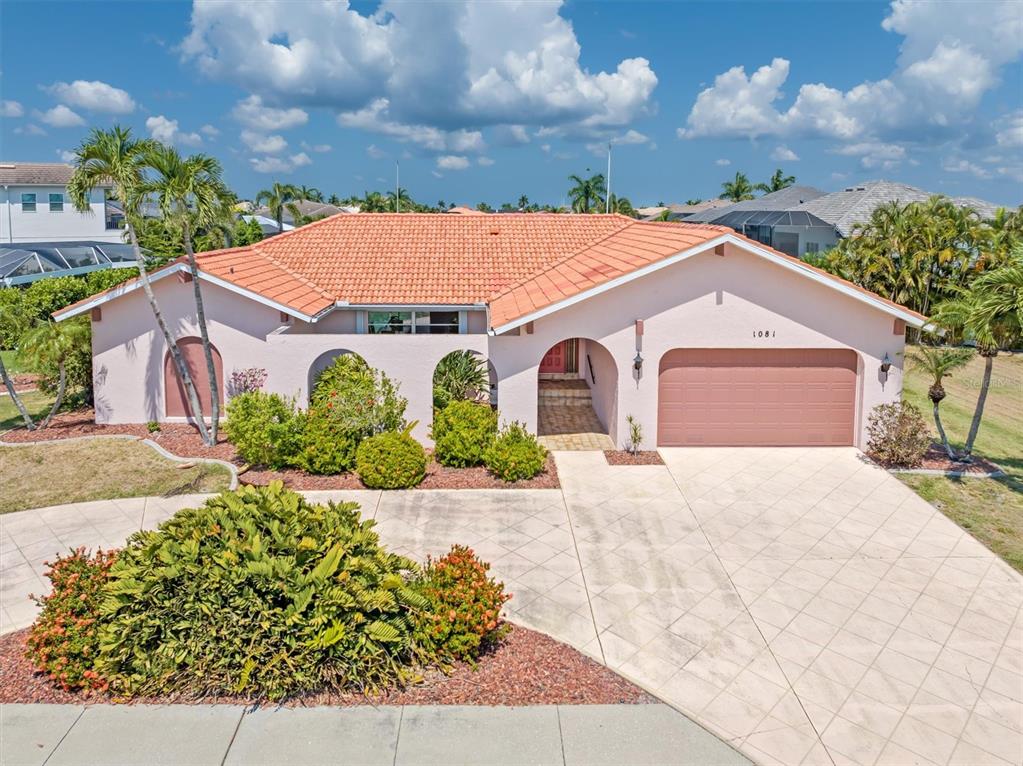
pixel 941 432
pixel 61 390
pixel 978 413
pixel 200 315
pixel 172 346
pixel 15 398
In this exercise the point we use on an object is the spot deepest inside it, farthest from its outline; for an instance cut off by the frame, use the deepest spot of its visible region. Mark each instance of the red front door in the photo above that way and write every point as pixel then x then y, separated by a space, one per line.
pixel 554 359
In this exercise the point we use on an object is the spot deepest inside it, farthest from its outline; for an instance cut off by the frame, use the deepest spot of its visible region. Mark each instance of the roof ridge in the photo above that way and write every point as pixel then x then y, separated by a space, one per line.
pixel 290 271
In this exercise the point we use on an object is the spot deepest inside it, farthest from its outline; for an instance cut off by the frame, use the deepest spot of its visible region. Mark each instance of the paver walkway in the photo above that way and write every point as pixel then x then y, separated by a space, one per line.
pixel 197 735
pixel 801 603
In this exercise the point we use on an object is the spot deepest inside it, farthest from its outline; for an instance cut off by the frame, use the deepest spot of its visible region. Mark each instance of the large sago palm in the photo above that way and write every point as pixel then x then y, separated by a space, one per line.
pixel 113 157
pixel 938 363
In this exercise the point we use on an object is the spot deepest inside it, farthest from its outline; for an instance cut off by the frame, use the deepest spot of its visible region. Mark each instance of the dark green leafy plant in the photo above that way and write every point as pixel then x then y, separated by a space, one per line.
pixel 265 429
pixel 460 375
pixel 64 640
pixel 461 432
pixel 897 435
pixel 515 454
pixel 45 296
pixel 391 460
pixel 258 592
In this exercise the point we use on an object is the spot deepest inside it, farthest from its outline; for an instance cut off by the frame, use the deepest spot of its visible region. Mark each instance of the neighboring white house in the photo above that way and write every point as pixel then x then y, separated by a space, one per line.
pixel 35 207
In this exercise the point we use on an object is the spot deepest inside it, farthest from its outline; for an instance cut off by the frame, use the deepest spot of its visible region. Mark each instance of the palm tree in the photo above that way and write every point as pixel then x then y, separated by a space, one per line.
pixel 587 191
pixel 622 206
pixel 190 191
pixel 310 193
pixel 374 202
pixel 523 202
pixel 113 156
pixel 398 201
pixel 29 424
pixel 693 201
pixel 334 200
pixel 938 363
pixel 737 189
pixel 278 198
pixel 990 313
pixel 52 344
pixel 777 182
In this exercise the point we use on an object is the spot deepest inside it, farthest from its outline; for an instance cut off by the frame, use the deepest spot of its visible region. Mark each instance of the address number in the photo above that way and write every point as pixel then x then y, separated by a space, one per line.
pixel 764 333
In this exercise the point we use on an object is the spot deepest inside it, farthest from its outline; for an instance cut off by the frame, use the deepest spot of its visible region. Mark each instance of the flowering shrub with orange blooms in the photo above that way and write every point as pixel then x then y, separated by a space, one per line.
pixel 464 617
pixel 64 640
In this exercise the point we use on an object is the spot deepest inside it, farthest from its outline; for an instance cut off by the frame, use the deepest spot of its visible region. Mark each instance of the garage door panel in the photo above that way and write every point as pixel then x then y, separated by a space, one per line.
pixel 757 397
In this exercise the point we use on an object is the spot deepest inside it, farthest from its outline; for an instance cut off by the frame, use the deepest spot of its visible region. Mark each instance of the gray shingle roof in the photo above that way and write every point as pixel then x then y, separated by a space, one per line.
pixel 784 199
pixel 35 173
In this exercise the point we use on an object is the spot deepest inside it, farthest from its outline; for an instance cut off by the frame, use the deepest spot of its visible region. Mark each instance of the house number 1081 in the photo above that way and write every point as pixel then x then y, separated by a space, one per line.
pixel 763 333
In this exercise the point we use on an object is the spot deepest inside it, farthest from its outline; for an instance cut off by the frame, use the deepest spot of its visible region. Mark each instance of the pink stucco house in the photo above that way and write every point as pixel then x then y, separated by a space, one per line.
pixel 704 336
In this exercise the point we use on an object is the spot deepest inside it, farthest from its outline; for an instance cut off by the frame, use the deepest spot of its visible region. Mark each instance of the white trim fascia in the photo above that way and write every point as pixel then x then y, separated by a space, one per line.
pixel 910 319
pixel 176 268
pixel 416 306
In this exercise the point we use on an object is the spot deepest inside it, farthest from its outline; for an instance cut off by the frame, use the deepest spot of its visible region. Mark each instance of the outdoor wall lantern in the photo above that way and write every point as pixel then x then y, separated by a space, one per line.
pixel 886 364
pixel 637 363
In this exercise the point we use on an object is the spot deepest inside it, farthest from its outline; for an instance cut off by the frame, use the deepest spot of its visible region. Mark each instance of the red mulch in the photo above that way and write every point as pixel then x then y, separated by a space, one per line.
pixel 624 457
pixel 936 459
pixel 528 668
pixel 183 440
pixel 25 382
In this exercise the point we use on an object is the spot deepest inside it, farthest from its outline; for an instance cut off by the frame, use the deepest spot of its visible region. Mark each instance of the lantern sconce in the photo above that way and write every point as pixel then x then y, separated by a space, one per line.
pixel 637 363
pixel 886 364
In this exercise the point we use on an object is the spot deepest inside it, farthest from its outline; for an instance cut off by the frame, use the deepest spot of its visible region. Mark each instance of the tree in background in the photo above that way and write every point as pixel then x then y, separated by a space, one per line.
pixel 310 194
pixel 939 363
pixel 695 201
pixel 277 199
pixel 587 192
pixel 400 202
pixel 738 189
pixel 777 182
pixel 483 207
pixel 622 206
pixel 55 345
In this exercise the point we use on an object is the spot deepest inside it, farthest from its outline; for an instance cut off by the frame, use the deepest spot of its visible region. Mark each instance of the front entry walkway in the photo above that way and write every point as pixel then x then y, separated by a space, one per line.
pixel 803 604
pixel 571 427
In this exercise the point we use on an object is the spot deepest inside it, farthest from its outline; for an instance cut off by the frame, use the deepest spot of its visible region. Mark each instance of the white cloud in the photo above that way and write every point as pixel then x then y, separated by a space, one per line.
pixel 252 113
pixel 1010 130
pixel 485 162
pixel 436 174
pixel 375 152
pixel 61 117
pixel 66 156
pixel 874 154
pixel 318 148
pixel 511 135
pixel 375 119
pixel 30 130
pixel 961 165
pixel 722 162
pixel 452 162
pixel 209 131
pixel 166 131
pixel 11 109
pixel 629 137
pixel 93 95
pixel 782 153
pixel 280 164
pixel 441 66
pixel 545 148
pixel 262 144
pixel 950 56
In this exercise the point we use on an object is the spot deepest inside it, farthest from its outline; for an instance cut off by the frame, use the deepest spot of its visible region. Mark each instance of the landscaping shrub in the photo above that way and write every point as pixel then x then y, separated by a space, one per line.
pixel 64 640
pixel 897 435
pixel 45 296
pixel 261 593
pixel 244 381
pixel 461 432
pixel 15 316
pixel 464 615
pixel 265 429
pixel 515 454
pixel 391 460
pixel 328 445
pixel 460 375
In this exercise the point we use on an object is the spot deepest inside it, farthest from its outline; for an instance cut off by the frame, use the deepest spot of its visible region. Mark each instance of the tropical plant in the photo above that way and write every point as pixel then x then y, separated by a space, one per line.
pixel 461 433
pixel 278 198
pixel 398 202
pixel 391 460
pixel 635 433
pixel 310 193
pixel 258 592
pixel 622 206
pixel 45 296
pixel 50 346
pixel 897 435
pixel 186 190
pixel 587 192
pixel 483 207
pixel 460 375
pixel 113 156
pixel 515 454
pixel 738 189
pixel 15 316
pixel 776 182
pixel 938 363
pixel 375 202
pixel 523 203
pixel 266 429
pixel 990 314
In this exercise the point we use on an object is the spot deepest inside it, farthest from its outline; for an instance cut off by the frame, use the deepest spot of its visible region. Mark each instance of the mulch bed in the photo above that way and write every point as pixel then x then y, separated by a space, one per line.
pixel 24 382
pixel 624 457
pixel 528 668
pixel 936 459
pixel 183 440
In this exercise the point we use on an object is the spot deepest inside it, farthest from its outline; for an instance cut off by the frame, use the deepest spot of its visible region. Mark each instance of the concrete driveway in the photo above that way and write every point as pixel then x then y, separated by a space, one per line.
pixel 802 604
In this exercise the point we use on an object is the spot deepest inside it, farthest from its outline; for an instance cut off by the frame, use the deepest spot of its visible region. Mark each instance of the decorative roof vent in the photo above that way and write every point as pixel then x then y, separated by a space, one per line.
pixel 494 231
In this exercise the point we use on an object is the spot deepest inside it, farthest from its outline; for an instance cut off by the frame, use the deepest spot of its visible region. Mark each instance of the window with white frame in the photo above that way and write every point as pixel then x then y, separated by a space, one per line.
pixel 413 322
pixel 28 202
pixel 813 247
pixel 57 203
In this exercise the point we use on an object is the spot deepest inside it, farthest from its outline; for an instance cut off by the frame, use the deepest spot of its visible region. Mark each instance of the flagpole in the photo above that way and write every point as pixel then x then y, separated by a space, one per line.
pixel 607 202
pixel 397 189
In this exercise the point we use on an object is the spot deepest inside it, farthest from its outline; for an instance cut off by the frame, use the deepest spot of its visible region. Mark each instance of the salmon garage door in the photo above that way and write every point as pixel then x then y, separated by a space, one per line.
pixel 756 397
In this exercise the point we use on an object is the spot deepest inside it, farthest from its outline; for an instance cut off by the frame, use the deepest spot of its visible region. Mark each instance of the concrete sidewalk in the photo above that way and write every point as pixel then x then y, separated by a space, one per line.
pixel 195 735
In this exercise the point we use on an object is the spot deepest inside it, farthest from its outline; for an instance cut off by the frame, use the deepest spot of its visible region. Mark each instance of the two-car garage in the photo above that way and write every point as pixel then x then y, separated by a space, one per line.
pixel 757 397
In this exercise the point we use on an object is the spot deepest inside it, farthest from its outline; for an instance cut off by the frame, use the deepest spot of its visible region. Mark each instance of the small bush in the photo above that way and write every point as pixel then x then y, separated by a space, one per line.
pixel 515 454
pixel 265 429
pixel 244 381
pixel 64 640
pixel 391 461
pixel 153 427
pixel 461 432
pixel 45 296
pixel 260 593
pixel 328 446
pixel 464 615
pixel 635 433
pixel 16 317
pixel 897 435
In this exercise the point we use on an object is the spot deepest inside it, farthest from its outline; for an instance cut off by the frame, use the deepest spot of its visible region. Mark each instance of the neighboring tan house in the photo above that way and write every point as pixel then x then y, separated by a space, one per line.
pixel 35 207
pixel 704 336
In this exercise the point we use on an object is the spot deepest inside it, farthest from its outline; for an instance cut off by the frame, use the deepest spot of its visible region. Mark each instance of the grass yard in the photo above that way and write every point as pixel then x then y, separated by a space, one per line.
pixel 14 367
pixel 71 472
pixel 990 509
pixel 37 403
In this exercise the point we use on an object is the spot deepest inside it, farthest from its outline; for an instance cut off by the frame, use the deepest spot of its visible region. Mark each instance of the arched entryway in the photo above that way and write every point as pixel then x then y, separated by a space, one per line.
pixel 322 362
pixel 577 396
pixel 176 399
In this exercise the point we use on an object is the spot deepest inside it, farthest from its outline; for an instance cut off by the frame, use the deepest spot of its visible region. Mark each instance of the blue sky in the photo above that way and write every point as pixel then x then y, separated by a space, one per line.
pixel 492 100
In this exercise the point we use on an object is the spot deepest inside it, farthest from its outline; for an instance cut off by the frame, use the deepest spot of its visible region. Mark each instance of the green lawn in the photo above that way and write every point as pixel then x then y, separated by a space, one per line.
pixel 991 509
pixel 14 367
pixel 37 403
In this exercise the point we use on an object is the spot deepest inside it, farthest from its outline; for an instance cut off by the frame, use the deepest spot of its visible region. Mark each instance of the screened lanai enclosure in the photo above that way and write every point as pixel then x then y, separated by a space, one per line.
pixel 25 262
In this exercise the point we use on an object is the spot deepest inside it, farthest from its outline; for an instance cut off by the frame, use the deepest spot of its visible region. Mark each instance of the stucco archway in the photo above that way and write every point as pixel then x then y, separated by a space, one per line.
pixel 322 362
pixel 485 392
pixel 577 396
pixel 175 398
